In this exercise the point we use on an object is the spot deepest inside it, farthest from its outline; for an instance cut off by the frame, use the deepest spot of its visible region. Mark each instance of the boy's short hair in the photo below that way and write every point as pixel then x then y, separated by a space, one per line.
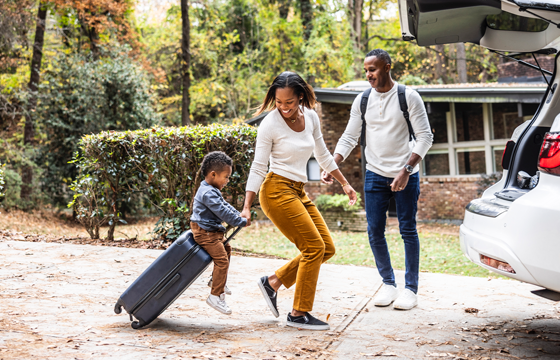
pixel 215 161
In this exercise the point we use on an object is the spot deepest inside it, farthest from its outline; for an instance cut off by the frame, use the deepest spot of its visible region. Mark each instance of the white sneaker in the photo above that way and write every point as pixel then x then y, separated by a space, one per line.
pixel 386 295
pixel 406 300
pixel 218 303
pixel 227 291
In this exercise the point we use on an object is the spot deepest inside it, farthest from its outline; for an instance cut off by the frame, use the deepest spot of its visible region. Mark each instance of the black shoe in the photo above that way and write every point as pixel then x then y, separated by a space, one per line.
pixel 307 322
pixel 269 294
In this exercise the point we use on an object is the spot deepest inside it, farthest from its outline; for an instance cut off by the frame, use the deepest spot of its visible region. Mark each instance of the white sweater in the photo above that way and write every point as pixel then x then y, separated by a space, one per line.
pixel 387 137
pixel 287 150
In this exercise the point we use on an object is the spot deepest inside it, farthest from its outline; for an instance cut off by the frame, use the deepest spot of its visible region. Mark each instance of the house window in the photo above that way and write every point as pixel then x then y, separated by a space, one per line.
pixel 437 114
pixel 313 170
pixel 506 117
pixel 436 162
pixel 498 152
pixel 469 122
pixel 471 161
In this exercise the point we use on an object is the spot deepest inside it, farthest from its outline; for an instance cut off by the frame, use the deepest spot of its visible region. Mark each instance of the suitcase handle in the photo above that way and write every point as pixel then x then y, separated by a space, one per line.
pixel 233 234
pixel 185 236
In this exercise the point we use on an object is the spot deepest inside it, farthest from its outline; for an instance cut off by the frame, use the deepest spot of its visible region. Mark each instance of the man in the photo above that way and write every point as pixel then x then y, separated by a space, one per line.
pixel 392 157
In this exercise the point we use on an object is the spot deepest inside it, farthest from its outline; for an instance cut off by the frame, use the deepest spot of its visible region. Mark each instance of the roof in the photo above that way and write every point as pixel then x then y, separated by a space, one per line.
pixel 469 93
pixel 462 93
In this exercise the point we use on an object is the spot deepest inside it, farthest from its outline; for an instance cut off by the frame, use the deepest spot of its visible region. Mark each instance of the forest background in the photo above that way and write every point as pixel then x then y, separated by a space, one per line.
pixel 75 67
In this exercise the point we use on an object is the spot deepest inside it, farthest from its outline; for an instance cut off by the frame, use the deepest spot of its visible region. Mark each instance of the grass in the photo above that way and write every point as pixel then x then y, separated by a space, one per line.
pixel 439 252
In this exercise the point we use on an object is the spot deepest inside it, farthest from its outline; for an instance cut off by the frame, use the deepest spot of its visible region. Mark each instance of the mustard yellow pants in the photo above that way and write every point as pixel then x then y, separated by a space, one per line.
pixel 286 204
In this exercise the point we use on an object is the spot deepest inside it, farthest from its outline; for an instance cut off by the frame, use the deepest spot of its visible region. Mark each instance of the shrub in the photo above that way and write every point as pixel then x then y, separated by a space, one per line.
pixel 338 202
pixel 81 95
pixel 486 181
pixel 161 164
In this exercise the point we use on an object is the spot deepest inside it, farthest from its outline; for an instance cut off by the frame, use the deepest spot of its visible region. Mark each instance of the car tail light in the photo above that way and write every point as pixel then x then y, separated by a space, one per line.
pixel 549 157
pixel 496 264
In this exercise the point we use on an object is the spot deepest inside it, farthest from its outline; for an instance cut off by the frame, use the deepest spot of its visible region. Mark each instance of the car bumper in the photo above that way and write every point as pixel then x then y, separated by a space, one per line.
pixel 474 244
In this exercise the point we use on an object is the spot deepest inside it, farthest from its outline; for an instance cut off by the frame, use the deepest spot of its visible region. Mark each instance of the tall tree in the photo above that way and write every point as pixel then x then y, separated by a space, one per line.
pixel 355 8
pixel 185 62
pixel 461 63
pixel 29 130
pixel 306 17
pixel 441 71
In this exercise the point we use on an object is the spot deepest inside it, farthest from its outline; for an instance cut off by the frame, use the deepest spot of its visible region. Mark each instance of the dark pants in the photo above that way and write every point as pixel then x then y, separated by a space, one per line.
pixel 213 243
pixel 378 192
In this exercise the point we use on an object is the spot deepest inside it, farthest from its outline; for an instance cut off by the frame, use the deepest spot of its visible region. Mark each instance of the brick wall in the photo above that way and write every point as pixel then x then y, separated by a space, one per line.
pixel 334 118
pixel 440 198
pixel 445 197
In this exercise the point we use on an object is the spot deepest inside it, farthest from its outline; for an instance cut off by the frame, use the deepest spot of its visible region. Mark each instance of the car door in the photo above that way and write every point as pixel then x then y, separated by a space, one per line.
pixel 504 25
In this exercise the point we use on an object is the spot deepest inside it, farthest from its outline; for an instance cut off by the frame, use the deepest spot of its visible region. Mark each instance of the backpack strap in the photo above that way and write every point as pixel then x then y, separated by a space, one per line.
pixel 404 108
pixel 363 109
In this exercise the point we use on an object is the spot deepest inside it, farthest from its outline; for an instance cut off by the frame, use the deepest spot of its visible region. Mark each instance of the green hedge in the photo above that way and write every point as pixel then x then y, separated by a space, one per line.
pixel 337 202
pixel 162 165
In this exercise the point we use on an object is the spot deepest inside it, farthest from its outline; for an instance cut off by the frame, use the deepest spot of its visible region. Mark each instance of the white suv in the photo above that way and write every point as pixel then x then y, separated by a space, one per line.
pixel 514 228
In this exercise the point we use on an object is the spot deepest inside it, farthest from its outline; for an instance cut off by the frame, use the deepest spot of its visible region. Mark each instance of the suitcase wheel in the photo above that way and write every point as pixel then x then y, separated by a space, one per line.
pixel 136 325
pixel 118 308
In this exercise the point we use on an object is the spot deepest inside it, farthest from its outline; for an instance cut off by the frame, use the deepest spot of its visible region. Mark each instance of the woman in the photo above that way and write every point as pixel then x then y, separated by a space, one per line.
pixel 287 137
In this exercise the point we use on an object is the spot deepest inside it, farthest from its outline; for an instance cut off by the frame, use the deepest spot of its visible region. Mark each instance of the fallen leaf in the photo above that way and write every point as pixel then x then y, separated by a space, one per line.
pixel 471 310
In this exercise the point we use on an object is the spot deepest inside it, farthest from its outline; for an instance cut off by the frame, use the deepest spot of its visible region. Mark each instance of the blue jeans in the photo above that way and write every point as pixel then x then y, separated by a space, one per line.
pixel 378 192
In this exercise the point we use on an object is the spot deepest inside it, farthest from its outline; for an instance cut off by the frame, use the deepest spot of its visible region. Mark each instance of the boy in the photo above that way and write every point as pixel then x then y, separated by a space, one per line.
pixel 209 211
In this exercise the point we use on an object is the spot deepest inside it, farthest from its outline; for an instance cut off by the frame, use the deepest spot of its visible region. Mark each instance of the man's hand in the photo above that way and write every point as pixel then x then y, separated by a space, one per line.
pixel 400 182
pixel 246 213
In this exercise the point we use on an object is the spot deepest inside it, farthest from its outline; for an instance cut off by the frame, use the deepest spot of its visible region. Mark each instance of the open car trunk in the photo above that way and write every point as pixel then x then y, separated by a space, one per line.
pixel 512 26
pixel 499 25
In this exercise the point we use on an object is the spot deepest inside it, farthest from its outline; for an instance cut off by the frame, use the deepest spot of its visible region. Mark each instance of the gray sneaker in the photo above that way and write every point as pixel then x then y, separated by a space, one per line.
pixel 269 295
pixel 307 322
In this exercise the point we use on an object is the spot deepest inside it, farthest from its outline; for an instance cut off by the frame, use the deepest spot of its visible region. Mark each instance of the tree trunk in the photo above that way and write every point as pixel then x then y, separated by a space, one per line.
pixel 185 63
pixel 29 129
pixel 358 5
pixel 284 8
pixel 461 63
pixel 441 71
pixel 306 17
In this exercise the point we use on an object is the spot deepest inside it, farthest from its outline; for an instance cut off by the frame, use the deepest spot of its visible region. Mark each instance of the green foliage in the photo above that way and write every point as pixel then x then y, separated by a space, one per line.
pixel 161 164
pixel 15 158
pixel 80 95
pixel 337 202
pixel 237 48
pixel 412 80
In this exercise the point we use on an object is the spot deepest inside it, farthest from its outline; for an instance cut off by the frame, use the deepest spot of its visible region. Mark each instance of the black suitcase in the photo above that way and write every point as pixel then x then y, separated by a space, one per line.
pixel 165 280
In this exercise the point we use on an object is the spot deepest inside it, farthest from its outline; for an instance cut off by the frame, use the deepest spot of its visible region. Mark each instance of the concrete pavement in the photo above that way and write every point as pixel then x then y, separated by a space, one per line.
pixel 57 303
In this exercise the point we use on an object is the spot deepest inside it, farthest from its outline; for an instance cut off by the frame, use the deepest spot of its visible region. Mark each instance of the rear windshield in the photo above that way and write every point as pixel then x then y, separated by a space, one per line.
pixel 509 21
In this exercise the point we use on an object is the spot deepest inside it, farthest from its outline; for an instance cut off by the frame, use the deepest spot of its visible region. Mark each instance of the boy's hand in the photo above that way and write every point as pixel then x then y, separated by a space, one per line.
pixel 246 213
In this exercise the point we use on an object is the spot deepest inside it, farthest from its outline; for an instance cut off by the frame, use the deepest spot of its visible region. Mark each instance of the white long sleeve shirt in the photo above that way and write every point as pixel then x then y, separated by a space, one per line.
pixel 288 151
pixel 387 137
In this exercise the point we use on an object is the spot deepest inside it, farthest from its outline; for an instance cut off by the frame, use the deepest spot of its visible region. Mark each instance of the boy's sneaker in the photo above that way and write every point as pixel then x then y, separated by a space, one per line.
pixel 406 300
pixel 269 295
pixel 386 295
pixel 227 291
pixel 218 303
pixel 307 322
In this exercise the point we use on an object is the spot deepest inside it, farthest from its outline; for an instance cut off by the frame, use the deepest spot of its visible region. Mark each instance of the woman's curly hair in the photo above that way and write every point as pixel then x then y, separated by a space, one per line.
pixel 215 161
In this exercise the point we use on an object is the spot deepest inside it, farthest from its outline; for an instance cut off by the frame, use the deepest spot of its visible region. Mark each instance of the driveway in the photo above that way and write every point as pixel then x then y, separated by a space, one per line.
pixel 57 303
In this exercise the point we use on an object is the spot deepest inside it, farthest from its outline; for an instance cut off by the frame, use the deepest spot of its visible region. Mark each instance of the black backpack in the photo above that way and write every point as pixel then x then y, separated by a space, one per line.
pixel 404 108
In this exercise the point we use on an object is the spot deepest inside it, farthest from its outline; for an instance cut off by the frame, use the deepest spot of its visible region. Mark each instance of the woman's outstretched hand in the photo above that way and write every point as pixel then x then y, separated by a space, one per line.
pixel 349 190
